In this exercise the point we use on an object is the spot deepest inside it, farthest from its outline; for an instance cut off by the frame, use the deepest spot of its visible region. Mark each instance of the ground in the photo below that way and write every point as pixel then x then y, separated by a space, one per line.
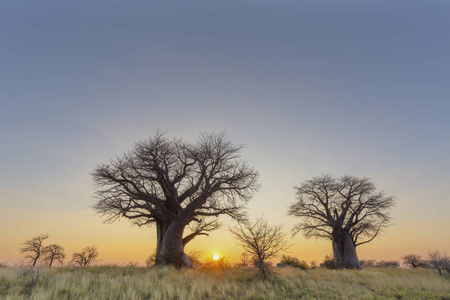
pixel 129 283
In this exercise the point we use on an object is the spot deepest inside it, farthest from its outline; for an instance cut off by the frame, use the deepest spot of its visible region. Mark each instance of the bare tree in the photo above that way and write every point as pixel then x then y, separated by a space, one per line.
pixel 85 257
pixel 33 248
pixel 260 240
pixel 53 253
pixel 244 259
pixel 413 260
pixel 347 210
pixel 176 185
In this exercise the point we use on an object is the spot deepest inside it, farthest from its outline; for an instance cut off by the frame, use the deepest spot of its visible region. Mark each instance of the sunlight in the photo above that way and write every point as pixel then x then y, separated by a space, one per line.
pixel 216 256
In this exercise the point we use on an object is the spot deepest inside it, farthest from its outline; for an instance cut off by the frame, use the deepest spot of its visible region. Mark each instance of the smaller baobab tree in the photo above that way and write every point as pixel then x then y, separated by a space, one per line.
pixel 33 248
pixel 52 253
pixel 348 210
pixel 260 240
pixel 85 257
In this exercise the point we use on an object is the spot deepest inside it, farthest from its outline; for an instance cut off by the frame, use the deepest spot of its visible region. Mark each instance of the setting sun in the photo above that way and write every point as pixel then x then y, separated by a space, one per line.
pixel 216 256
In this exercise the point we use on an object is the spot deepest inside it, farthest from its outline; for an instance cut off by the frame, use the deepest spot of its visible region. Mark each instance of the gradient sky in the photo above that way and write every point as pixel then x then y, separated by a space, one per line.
pixel 311 87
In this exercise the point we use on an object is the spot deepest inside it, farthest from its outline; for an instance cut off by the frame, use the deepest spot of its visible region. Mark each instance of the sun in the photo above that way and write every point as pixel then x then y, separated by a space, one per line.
pixel 216 256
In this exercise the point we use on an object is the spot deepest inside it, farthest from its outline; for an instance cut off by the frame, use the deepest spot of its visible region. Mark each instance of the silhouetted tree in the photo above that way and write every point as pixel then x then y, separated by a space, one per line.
pixel 347 210
pixel 261 240
pixel 412 260
pixel 33 248
pixel 176 185
pixel 244 259
pixel 53 252
pixel 85 257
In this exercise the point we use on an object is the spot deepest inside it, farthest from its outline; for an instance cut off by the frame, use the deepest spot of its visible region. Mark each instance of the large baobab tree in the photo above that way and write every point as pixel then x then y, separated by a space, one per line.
pixel 348 210
pixel 53 253
pixel 33 248
pixel 176 185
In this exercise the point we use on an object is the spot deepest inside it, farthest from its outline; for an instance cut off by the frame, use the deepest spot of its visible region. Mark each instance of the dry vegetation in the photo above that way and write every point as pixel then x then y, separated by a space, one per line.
pixel 129 283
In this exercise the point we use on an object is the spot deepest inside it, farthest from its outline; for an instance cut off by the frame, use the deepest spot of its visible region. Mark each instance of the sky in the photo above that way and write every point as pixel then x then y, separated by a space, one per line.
pixel 310 87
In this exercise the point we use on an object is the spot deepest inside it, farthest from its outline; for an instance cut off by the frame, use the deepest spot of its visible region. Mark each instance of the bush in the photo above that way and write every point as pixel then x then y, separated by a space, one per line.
pixel 215 265
pixel 440 263
pixel 329 262
pixel 388 263
pixel 29 277
pixel 294 262
pixel 366 263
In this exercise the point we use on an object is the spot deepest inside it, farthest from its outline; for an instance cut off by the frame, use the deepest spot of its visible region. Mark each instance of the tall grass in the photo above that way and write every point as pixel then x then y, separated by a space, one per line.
pixel 235 283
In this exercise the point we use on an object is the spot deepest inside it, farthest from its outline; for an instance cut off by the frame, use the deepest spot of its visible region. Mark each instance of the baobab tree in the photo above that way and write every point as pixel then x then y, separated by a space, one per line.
pixel 85 257
pixel 53 253
pixel 347 210
pixel 176 185
pixel 260 240
pixel 33 248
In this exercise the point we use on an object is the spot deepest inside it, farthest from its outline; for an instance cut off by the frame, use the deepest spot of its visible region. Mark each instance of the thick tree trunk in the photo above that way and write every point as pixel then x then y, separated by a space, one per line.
pixel 161 228
pixel 344 251
pixel 173 250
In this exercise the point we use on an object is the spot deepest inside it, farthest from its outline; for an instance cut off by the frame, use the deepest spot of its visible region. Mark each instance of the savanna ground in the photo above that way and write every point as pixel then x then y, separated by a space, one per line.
pixel 236 283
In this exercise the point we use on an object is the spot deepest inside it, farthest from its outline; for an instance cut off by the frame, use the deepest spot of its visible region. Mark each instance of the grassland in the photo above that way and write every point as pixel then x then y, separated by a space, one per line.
pixel 235 283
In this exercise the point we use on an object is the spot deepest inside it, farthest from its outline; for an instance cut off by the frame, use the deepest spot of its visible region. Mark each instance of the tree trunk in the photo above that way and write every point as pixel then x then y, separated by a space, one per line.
pixel 172 250
pixel 344 250
pixel 51 262
pixel 161 228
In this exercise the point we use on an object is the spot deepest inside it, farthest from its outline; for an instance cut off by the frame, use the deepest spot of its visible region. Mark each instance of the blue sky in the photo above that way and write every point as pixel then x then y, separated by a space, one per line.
pixel 311 87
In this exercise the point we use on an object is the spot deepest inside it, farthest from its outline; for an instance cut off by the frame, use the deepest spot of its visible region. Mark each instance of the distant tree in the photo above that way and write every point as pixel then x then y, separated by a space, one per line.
pixel 388 263
pixel 368 263
pixel 33 248
pixel 85 257
pixel 412 260
pixel 53 252
pixel 245 259
pixel 347 210
pixel 176 186
pixel 260 240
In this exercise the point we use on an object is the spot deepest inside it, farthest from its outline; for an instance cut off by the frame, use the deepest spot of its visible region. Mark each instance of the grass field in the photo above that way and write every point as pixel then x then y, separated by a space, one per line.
pixel 235 283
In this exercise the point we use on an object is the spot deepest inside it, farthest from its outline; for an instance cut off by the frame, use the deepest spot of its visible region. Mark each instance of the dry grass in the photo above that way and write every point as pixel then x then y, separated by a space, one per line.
pixel 235 283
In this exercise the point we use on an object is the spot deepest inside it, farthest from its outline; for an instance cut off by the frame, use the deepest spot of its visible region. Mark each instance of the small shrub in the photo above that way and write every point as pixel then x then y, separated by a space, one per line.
pixel 215 265
pixel 294 262
pixel 29 277
pixel 329 262
pixel 366 263
pixel 388 263
pixel 150 261
pixel 440 263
